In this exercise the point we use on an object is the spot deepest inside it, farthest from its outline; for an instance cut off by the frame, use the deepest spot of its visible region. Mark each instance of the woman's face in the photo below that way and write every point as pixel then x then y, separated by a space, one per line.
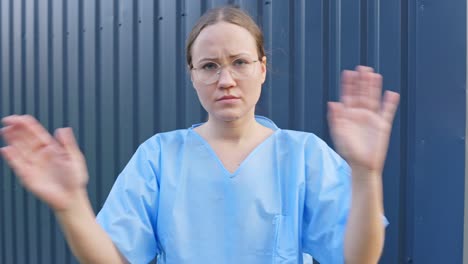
pixel 234 88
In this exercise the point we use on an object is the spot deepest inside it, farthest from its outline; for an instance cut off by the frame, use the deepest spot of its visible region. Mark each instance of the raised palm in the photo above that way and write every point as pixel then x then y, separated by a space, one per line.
pixel 361 122
pixel 52 168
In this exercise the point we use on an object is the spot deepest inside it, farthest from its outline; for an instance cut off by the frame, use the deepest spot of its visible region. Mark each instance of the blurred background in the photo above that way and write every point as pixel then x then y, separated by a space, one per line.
pixel 115 71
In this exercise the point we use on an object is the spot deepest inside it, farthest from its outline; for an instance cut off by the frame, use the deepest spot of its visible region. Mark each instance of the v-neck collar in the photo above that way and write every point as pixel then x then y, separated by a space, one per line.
pixel 261 120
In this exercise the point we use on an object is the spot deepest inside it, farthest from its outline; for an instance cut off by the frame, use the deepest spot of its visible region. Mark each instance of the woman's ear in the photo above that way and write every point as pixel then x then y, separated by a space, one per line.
pixel 263 64
pixel 192 80
pixel 190 72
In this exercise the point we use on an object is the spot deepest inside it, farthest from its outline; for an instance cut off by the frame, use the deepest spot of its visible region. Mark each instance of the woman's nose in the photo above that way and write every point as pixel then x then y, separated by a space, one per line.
pixel 225 78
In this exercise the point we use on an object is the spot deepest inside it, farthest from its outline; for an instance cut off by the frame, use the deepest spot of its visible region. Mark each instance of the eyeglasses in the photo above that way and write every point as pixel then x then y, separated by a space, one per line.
pixel 240 69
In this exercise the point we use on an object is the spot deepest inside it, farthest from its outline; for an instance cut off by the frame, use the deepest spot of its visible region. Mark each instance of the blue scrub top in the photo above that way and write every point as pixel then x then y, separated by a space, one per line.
pixel 175 200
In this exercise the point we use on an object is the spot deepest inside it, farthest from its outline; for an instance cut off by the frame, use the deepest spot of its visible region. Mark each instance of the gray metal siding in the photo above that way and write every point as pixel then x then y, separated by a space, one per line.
pixel 115 71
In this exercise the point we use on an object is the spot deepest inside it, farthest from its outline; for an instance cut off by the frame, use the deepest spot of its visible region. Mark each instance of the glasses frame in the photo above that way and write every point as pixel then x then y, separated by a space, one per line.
pixel 218 72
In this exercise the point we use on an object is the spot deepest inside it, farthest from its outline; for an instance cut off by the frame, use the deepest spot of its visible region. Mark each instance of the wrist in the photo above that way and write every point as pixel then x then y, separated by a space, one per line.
pixel 365 180
pixel 78 201
pixel 362 173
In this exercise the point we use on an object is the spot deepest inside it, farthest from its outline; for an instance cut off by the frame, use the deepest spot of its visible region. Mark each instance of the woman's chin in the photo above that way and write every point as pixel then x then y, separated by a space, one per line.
pixel 228 116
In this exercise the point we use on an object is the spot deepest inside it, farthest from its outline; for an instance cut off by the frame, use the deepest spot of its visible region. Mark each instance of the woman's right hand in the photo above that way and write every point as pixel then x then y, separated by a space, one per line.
pixel 51 167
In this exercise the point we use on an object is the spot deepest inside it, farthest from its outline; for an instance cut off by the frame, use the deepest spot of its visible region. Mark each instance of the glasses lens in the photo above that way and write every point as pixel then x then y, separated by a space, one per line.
pixel 239 69
pixel 207 73
pixel 243 68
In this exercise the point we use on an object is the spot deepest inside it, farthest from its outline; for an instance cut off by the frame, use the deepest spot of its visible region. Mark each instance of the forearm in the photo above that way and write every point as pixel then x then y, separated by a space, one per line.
pixel 87 240
pixel 365 229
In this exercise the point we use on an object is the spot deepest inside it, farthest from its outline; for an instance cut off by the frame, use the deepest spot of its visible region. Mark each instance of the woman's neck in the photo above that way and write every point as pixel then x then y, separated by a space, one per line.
pixel 235 131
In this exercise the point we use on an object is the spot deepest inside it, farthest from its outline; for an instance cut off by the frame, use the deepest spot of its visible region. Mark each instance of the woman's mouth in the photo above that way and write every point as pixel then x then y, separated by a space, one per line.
pixel 228 98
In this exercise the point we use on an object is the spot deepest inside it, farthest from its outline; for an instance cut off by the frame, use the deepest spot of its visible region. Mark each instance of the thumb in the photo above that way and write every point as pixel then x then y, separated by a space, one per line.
pixel 335 112
pixel 66 138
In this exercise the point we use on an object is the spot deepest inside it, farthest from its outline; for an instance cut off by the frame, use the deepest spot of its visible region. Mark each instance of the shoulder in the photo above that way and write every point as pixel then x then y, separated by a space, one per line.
pixel 159 140
pixel 301 139
pixel 314 149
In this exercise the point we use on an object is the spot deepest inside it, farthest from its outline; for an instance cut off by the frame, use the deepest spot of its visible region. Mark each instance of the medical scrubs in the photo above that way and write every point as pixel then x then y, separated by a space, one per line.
pixel 175 200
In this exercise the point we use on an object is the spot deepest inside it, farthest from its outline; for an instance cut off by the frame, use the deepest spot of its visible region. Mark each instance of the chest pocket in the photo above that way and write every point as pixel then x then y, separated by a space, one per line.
pixel 286 241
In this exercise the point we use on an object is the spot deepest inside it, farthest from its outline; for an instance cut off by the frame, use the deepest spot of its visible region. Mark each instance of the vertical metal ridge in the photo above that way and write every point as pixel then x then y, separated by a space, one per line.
pixel 37 104
pixel 50 64
pixel 30 91
pixel 59 97
pixel 405 238
pixel 363 60
pixel 116 85
pixel 23 57
pixel 51 114
pixel 338 48
pixel 6 97
pixel 376 55
pixel 465 216
pixel 268 44
pixel 136 67
pixel 292 65
pixel 18 93
pixel 259 14
pixel 98 62
pixel 65 32
pixel 89 111
pixel 12 58
pixel 203 8
pixel 80 85
pixel 372 34
pixel 36 59
pixel 180 99
pixel 298 67
pixel 157 93
pixel 326 62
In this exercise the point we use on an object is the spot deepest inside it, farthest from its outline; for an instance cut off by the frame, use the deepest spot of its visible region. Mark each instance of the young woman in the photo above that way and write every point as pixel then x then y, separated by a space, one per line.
pixel 236 189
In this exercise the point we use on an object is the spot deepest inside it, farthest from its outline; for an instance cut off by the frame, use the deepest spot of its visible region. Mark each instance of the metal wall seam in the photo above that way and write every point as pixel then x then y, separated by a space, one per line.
pixel 465 228
pixel 31 104
pixel 7 104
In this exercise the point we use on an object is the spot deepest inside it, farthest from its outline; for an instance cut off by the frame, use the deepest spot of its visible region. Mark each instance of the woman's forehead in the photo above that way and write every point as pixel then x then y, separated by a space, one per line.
pixel 224 40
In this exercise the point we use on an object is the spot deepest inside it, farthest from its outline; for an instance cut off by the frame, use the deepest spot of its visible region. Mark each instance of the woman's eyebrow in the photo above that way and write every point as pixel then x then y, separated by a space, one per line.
pixel 208 59
pixel 217 58
pixel 239 54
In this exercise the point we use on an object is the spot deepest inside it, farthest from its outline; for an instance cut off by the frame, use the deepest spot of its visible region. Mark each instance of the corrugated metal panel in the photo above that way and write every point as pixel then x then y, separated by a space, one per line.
pixel 437 105
pixel 114 70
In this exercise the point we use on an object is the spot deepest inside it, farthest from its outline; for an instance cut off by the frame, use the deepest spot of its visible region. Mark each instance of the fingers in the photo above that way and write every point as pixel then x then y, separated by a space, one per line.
pixel 15 160
pixel 375 92
pixel 25 133
pixel 390 105
pixel 66 138
pixel 26 138
pixel 362 88
pixel 348 87
pixel 335 113
pixel 334 110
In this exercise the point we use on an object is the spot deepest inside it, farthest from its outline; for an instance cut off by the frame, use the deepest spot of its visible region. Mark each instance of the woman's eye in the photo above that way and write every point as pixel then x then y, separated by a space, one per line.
pixel 210 66
pixel 240 62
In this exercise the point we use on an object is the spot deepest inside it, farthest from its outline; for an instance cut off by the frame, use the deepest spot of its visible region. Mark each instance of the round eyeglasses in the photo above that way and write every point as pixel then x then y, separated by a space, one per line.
pixel 209 72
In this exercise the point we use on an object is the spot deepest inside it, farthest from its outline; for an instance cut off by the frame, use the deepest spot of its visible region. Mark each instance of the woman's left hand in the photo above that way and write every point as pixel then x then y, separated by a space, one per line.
pixel 361 122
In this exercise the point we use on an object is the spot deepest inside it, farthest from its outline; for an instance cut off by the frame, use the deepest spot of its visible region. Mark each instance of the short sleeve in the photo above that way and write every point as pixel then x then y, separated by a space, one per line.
pixel 129 214
pixel 327 202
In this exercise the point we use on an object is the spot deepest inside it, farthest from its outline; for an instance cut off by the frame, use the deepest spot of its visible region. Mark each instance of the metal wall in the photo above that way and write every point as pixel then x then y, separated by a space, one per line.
pixel 114 71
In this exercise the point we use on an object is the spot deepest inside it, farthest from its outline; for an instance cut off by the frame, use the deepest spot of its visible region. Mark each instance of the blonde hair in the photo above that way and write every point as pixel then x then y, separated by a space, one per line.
pixel 229 14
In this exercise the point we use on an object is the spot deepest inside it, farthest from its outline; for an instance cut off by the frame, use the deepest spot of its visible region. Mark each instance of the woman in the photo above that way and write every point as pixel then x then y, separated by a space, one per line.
pixel 236 189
